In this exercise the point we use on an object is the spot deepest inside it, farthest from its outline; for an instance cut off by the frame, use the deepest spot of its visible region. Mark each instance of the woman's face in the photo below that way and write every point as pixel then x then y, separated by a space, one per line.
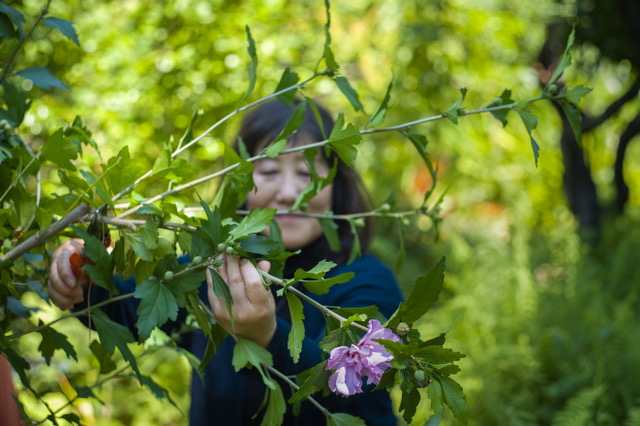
pixel 278 182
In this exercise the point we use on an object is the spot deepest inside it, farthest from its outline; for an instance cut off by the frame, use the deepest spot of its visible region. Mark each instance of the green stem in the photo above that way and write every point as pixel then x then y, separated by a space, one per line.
pixel 308 299
pixel 303 148
pixel 206 132
pixel 75 314
pixel 296 387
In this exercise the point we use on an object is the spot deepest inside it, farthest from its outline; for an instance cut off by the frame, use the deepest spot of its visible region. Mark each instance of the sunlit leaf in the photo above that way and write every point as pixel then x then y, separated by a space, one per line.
pixel 348 91
pixel 59 150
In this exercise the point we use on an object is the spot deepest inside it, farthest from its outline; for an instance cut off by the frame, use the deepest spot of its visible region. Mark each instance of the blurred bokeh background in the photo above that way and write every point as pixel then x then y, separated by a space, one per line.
pixel 542 274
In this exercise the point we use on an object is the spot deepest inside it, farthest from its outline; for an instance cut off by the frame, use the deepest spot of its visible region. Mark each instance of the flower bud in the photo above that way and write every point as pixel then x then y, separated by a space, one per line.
pixel 221 247
pixel 385 207
pixel 421 378
pixel 359 222
pixel 229 250
pixel 168 275
pixel 197 259
pixel 402 329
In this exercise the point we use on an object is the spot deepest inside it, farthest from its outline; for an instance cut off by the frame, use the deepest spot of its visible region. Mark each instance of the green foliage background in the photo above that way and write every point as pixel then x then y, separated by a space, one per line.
pixel 548 324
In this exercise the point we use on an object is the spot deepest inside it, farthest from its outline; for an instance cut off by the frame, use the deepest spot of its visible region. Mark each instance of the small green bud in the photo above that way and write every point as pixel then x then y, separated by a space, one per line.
pixel 553 88
pixel 359 222
pixel 421 378
pixel 197 259
pixel 229 250
pixel 385 207
pixel 221 247
pixel 402 329
pixel 405 221
pixel 168 275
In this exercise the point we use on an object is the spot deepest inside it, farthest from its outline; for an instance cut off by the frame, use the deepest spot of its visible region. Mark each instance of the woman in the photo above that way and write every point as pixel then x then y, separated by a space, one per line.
pixel 227 397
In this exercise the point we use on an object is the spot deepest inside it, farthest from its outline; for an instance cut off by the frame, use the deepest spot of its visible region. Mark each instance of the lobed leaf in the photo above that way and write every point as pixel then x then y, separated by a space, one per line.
pixel 59 150
pixel 157 305
pixel 106 363
pixel 113 335
pixel 453 111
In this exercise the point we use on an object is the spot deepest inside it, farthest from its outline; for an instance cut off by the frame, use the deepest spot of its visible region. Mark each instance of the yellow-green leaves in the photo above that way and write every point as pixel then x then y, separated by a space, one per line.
pixel 344 140
pixel 59 150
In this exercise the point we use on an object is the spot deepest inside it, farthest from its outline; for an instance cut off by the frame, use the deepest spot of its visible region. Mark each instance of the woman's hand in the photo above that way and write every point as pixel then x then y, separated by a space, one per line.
pixel 253 307
pixel 64 288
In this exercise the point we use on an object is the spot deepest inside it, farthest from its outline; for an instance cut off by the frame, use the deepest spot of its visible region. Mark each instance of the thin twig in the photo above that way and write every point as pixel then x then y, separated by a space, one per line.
pixel 296 387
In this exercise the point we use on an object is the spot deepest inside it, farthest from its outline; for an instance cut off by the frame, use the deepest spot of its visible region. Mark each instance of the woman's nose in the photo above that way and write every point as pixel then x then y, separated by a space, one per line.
pixel 289 189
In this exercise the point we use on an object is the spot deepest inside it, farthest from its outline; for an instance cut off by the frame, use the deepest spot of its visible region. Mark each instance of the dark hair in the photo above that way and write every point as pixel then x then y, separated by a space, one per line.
pixel 263 124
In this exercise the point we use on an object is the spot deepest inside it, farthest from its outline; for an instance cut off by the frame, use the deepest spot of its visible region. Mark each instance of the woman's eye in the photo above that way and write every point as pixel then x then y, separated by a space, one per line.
pixel 268 172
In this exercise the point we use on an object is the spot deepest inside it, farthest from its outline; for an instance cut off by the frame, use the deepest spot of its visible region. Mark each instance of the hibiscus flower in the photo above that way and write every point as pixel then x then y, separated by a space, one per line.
pixel 366 359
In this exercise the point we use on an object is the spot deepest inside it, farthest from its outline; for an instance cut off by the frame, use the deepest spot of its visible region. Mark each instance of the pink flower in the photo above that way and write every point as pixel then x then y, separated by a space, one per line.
pixel 367 358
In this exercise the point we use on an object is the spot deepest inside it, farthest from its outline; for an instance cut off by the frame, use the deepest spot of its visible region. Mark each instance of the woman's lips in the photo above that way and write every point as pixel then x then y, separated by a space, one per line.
pixel 287 218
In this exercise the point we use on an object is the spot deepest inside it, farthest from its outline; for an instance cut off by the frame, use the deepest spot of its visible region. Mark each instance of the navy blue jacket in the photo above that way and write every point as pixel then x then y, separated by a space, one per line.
pixel 230 398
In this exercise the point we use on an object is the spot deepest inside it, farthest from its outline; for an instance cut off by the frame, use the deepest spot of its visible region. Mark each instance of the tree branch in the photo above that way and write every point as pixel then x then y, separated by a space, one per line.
pixel 40 237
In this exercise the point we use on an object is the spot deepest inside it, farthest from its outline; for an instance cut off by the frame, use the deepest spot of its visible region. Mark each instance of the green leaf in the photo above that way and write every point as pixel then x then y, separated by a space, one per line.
pixel 349 93
pixel 256 221
pixel 213 225
pixel 504 99
pixel 52 340
pixel 565 60
pixel 106 363
pixel 220 289
pixel 343 141
pixel 276 407
pixel 59 150
pixel 344 419
pixel 576 94
pixel 64 26
pixel 158 391
pixel 201 244
pixel 454 397
pixel 288 79
pixel 17 103
pixel 530 122
pixel 137 244
pixel 574 116
pixel 16 16
pixel 453 111
pixel 113 335
pixel 378 117
pixel 294 123
pixel 423 295
pixel 149 233
pixel 253 65
pixel 248 352
pixel 42 77
pixel 296 335
pixel 434 391
pixel 313 380
pixel 327 54
pixel 355 245
pixel 330 230
pixel 437 354
pixel 409 403
pixel 102 272
pixel 122 170
pixel 273 150
pixel 259 244
pixel 157 305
